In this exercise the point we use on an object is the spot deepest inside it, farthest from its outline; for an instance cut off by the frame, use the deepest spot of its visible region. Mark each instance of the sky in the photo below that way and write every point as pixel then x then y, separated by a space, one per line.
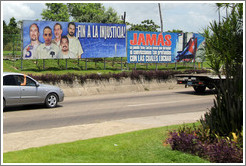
pixel 188 16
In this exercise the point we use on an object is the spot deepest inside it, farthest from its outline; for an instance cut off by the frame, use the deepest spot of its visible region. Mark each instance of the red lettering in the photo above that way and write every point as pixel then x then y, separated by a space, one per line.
pixel 141 39
pixel 168 42
pixel 134 41
pixel 160 40
pixel 151 40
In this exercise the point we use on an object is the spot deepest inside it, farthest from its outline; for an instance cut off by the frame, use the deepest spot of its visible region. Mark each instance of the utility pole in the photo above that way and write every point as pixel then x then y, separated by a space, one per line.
pixel 124 21
pixel 156 65
pixel 160 17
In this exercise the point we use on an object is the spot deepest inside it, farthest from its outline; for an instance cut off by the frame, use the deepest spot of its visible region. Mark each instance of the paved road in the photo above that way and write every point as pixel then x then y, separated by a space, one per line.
pixel 101 108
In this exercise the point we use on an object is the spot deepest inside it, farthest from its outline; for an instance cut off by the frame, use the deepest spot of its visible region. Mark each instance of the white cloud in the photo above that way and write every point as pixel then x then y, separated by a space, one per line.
pixel 19 10
pixel 189 17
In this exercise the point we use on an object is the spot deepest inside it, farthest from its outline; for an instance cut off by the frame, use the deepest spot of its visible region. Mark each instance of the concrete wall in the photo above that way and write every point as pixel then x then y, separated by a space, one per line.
pixel 92 87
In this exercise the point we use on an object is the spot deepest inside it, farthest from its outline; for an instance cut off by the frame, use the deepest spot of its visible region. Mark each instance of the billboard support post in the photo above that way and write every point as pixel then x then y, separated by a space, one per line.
pixel 175 65
pixel 85 63
pixel 156 66
pixel 104 63
pixel 21 46
pixel 135 66
pixel 43 63
pixel 121 63
pixel 21 63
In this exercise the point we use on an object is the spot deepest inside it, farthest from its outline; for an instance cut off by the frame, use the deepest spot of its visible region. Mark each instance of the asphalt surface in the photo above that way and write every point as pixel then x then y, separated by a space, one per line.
pixel 79 118
pixel 101 108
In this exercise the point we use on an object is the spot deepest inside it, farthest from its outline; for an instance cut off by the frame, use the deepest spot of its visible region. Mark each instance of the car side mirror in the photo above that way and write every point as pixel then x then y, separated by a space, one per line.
pixel 37 84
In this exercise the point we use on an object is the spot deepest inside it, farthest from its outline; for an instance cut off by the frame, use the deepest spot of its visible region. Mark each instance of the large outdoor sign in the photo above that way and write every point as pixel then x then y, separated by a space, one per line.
pixel 151 47
pixel 62 40
pixel 194 49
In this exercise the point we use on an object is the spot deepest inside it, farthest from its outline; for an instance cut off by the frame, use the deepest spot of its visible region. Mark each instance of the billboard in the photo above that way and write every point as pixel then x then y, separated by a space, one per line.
pixel 62 40
pixel 194 49
pixel 151 47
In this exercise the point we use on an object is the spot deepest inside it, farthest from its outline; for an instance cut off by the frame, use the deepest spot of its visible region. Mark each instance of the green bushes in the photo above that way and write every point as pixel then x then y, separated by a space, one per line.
pixel 134 75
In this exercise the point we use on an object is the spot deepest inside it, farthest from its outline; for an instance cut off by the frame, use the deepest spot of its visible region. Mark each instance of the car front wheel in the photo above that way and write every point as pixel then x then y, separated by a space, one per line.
pixel 4 104
pixel 51 100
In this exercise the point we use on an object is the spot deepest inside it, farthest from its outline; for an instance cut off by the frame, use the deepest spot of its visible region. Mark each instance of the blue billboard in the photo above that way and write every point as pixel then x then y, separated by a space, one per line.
pixel 62 40
pixel 151 47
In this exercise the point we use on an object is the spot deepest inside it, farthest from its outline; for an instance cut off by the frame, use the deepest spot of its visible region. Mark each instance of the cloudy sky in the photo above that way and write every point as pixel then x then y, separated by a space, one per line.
pixel 188 16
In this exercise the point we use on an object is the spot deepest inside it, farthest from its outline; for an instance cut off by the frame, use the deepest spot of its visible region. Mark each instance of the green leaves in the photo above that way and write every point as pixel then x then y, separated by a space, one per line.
pixel 147 25
pixel 224 48
pixel 92 12
pixel 55 12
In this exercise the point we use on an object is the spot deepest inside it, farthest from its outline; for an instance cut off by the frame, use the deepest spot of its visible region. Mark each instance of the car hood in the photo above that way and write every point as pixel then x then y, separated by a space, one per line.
pixel 49 86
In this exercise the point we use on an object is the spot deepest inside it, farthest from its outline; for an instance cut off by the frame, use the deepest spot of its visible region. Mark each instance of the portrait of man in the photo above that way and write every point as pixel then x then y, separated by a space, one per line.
pixel 47 50
pixel 64 46
pixel 74 43
pixel 29 51
pixel 58 33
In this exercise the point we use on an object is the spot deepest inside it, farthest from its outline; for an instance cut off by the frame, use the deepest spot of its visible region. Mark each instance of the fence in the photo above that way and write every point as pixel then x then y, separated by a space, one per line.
pixel 12 45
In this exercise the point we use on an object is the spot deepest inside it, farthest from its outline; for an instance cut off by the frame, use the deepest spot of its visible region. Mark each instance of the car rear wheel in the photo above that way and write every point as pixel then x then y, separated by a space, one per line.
pixel 51 100
pixel 199 89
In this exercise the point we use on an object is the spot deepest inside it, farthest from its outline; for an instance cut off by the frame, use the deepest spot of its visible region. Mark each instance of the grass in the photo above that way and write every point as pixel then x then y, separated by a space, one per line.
pixel 144 146
pixel 60 67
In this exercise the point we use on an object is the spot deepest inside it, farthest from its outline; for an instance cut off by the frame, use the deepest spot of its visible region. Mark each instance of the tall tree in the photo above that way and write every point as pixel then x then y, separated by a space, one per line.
pixel 219 5
pixel 55 12
pixel 146 25
pixel 5 33
pixel 12 26
pixel 176 31
pixel 111 16
pixel 92 12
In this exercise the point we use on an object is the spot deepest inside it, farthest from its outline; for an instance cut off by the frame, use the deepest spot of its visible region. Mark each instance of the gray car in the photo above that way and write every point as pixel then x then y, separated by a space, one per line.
pixel 20 89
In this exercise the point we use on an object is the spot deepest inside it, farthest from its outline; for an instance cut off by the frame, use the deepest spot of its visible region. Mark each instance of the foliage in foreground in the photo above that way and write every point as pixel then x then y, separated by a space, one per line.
pixel 200 142
pixel 220 138
pixel 225 47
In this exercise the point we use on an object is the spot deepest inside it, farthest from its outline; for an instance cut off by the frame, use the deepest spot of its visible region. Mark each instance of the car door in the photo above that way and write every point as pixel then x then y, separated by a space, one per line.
pixel 11 90
pixel 29 92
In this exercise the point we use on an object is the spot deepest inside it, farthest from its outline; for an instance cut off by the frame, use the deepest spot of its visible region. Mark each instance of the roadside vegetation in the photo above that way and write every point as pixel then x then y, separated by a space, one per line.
pixel 94 65
pixel 144 146
pixel 220 137
pixel 217 138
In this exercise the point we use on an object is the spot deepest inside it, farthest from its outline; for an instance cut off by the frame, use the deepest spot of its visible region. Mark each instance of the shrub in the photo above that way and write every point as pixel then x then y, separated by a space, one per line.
pixel 226 115
pixel 134 75
pixel 198 141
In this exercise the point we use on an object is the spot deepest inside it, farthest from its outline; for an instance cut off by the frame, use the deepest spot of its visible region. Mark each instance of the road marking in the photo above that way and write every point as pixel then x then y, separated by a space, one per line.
pixel 170 102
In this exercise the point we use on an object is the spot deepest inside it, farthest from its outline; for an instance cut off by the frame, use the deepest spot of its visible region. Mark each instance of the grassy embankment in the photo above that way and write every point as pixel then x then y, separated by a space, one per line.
pixel 144 146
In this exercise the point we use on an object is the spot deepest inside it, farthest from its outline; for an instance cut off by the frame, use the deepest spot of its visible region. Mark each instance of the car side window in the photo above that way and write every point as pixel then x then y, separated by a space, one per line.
pixel 30 82
pixel 9 80
pixel 19 79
